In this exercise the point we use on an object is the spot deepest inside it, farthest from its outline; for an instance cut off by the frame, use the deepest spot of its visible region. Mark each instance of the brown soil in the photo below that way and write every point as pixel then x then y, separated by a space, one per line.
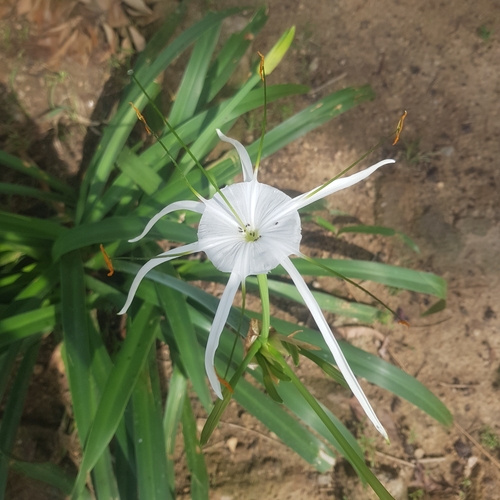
pixel 436 61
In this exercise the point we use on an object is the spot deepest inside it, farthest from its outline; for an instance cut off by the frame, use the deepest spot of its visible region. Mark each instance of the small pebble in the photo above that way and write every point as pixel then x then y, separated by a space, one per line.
pixel 232 443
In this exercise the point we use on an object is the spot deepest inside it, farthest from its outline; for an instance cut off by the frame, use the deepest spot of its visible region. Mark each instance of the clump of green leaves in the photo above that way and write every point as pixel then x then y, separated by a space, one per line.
pixel 488 438
pixel 484 33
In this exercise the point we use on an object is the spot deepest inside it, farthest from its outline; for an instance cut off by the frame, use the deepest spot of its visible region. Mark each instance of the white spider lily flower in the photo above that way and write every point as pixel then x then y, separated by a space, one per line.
pixel 265 233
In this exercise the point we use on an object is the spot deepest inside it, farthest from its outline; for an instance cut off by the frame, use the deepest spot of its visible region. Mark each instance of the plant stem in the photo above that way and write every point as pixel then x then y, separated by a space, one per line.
pixel 266 311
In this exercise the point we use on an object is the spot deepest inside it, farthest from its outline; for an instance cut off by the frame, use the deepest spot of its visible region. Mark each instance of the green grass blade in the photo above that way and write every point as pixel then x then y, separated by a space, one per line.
pixel 50 474
pixel 124 481
pixel 151 457
pixel 381 230
pixel 32 170
pixel 177 314
pixel 191 129
pixel 397 277
pixel 36 291
pixel 138 172
pixel 362 312
pixel 7 359
pixel 26 324
pixel 76 340
pixel 376 370
pixel 121 381
pixel 322 223
pixel 439 306
pixel 327 302
pixel 160 39
pixel 177 391
pixel 29 192
pixel 329 369
pixel 230 55
pixel 32 227
pixel 124 454
pixel 188 94
pixel 78 362
pixel 194 455
pixel 103 477
pixel 118 228
pixel 208 302
pixel 353 456
pixel 13 410
pixel 24 317
pixel 13 283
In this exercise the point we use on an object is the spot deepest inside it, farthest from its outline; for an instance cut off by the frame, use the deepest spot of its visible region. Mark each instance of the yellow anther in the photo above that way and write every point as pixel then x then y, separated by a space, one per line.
pixel 107 260
pixel 399 128
pixel 261 66
pixel 141 118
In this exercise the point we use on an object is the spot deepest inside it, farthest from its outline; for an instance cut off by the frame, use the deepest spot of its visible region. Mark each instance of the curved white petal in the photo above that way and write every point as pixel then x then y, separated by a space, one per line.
pixel 220 318
pixel 246 163
pixel 193 206
pixel 344 182
pixel 156 261
pixel 330 340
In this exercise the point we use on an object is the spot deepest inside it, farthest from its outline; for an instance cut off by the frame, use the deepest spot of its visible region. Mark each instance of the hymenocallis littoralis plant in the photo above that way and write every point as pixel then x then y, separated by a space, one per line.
pixel 246 229
pixel 53 280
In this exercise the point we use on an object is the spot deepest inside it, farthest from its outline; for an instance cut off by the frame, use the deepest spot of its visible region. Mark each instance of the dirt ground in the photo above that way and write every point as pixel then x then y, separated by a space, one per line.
pixel 440 62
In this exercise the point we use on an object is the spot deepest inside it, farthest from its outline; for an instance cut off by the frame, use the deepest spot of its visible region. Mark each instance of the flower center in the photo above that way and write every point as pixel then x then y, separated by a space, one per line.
pixel 251 235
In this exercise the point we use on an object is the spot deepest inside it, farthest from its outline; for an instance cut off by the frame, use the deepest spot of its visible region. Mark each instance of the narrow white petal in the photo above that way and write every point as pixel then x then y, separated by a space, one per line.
pixel 220 318
pixel 246 163
pixel 156 261
pixel 330 340
pixel 344 182
pixel 193 206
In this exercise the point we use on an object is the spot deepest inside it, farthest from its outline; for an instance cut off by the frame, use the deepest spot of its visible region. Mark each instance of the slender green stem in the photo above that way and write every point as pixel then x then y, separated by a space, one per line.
pixel 264 122
pixel 349 452
pixel 266 311
pixel 221 405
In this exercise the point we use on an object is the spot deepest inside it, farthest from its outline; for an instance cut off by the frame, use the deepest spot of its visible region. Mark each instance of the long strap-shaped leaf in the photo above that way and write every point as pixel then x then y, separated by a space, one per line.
pixel 177 392
pixel 193 79
pixel 194 455
pixel 117 228
pixel 13 410
pixel 151 456
pixel 398 277
pixel 121 381
pixel 32 170
pixel 176 311
pixel 76 339
pixel 386 274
